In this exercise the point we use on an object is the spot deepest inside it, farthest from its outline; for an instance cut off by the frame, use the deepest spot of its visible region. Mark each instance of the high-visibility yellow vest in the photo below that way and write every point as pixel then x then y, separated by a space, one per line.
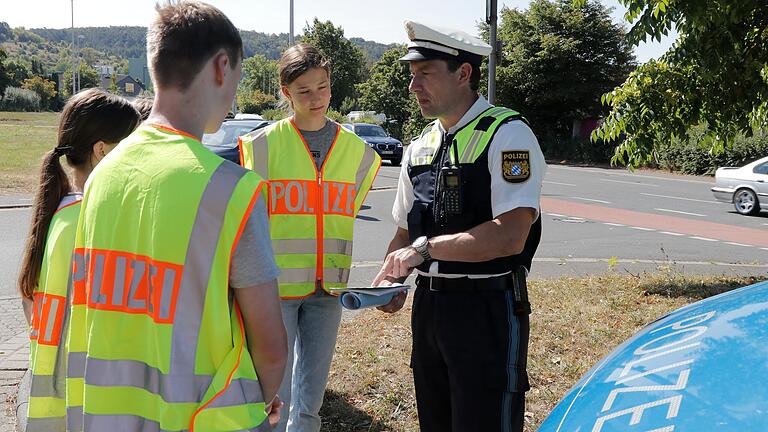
pixel 156 341
pixel 312 213
pixel 46 410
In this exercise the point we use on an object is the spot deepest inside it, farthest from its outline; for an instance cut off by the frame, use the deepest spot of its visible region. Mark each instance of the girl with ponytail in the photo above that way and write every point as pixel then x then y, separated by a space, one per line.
pixel 91 125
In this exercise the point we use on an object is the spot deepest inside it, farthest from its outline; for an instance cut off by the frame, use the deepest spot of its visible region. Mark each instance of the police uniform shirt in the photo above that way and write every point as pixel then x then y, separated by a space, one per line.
pixel 505 196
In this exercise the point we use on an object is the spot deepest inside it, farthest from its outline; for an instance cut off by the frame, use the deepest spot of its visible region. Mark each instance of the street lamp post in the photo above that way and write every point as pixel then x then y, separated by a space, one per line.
pixel 290 26
pixel 491 18
pixel 72 4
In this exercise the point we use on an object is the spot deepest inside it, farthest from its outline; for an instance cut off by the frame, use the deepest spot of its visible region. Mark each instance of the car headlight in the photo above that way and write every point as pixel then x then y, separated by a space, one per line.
pixel 399 144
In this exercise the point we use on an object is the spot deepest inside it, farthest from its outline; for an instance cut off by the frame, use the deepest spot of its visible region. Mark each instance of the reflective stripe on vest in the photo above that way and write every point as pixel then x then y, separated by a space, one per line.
pixel 47 362
pixel 132 285
pixel 471 139
pixel 311 213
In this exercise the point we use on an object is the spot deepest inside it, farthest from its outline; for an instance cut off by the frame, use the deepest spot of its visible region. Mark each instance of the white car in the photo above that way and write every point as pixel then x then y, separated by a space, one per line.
pixel 746 187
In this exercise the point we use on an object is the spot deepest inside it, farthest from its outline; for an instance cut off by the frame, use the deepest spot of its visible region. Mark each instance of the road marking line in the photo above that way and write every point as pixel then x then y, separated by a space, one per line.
pixel 637 261
pixel 613 224
pixel 642 228
pixel 636 174
pixel 631 183
pixel 558 183
pixel 14 209
pixel 680 212
pixel 738 244
pixel 671 233
pixel 704 238
pixel 681 198
pixel 765 249
pixel 591 199
pixel 556 215
pixel 575 217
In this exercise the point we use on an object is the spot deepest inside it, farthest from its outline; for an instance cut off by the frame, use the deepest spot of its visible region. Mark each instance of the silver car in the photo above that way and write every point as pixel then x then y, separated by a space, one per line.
pixel 745 187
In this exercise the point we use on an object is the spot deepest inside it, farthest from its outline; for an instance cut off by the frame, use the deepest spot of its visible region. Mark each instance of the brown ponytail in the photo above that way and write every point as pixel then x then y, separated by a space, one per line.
pixel 88 117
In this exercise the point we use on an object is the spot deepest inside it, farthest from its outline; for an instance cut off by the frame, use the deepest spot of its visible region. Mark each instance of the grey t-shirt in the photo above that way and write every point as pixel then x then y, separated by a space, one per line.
pixel 320 141
pixel 253 262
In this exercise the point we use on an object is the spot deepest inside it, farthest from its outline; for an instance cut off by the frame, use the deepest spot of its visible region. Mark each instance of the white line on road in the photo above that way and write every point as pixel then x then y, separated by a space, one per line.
pixel 681 198
pixel 671 233
pixel 681 212
pixel 591 199
pixel 613 224
pixel 765 249
pixel 558 183
pixel 14 209
pixel 641 261
pixel 630 183
pixel 635 174
pixel 642 228
pixel 738 244
pixel 703 238
pixel 556 214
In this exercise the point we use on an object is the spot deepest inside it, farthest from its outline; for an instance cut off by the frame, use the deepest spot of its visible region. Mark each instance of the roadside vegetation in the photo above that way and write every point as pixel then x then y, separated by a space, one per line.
pixel 24 138
pixel 575 322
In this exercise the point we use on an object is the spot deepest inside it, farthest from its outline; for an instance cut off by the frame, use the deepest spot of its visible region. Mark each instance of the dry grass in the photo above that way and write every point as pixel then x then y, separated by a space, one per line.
pixel 575 322
pixel 24 138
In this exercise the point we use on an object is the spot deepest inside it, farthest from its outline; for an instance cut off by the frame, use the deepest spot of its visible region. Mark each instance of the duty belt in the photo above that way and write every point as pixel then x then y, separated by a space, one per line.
pixel 514 281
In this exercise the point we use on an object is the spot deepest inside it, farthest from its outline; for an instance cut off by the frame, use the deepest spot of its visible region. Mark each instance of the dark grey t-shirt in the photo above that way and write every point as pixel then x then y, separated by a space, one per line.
pixel 320 141
pixel 253 262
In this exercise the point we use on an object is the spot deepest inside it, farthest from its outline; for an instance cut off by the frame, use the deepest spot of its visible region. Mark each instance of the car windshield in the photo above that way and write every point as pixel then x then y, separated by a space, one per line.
pixel 227 135
pixel 370 131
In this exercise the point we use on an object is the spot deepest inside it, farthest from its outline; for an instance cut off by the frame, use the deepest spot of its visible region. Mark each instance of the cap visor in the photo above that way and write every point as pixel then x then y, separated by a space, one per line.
pixel 415 56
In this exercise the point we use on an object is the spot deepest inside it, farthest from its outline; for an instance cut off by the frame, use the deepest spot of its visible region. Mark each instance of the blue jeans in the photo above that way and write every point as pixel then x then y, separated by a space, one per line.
pixel 312 324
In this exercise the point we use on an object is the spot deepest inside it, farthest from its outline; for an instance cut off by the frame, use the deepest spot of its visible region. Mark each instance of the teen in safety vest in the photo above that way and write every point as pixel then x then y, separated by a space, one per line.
pixel 91 124
pixel 173 327
pixel 319 174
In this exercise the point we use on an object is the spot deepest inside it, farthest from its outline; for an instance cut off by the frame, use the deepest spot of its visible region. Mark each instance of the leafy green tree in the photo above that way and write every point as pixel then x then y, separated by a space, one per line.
pixel 17 72
pixel 716 74
pixel 42 87
pixel 386 90
pixel 255 102
pixel 88 78
pixel 260 74
pixel 113 88
pixel 5 80
pixel 347 59
pixel 557 60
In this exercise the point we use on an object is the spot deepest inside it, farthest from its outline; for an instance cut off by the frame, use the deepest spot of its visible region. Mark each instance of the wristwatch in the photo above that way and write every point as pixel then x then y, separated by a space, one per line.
pixel 421 245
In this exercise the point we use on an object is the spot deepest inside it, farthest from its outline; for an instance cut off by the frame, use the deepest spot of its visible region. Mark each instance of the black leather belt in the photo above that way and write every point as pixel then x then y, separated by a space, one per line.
pixel 465 284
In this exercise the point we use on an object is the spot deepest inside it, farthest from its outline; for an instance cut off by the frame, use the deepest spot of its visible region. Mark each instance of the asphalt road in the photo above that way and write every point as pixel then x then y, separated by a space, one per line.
pixel 594 220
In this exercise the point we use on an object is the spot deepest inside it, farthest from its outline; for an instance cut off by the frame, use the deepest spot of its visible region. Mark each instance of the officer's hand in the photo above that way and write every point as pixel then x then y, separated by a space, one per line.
pixel 395 304
pixel 399 264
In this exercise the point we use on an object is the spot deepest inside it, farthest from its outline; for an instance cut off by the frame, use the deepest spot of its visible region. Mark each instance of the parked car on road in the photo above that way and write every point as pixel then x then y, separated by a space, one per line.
pixel 746 187
pixel 224 141
pixel 375 136
pixel 700 368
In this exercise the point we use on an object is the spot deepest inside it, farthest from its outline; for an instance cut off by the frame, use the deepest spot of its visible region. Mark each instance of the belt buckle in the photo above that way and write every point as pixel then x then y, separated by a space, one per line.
pixel 431 280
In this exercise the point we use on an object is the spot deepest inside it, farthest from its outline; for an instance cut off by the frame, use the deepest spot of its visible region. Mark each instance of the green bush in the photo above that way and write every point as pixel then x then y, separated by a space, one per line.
pixel 693 155
pixel 575 150
pixel 254 102
pixel 274 114
pixel 17 99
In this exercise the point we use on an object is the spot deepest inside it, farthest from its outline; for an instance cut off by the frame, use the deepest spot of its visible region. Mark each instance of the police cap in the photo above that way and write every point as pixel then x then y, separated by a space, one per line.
pixel 431 43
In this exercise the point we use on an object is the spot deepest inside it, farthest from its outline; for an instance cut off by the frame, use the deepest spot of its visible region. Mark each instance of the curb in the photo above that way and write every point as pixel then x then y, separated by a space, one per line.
pixel 14 206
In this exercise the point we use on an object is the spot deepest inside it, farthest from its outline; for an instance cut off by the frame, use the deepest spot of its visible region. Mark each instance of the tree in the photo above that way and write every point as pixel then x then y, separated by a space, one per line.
pixel 719 68
pixel 113 87
pixel 386 90
pixel 347 60
pixel 254 101
pixel 557 59
pixel 5 80
pixel 260 74
pixel 43 88
pixel 88 78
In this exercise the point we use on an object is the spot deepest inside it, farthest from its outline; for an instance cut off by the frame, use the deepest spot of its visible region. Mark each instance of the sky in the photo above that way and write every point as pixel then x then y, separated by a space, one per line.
pixel 380 21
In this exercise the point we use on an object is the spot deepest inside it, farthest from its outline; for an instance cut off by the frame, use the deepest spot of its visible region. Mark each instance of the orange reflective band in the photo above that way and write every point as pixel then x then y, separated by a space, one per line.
pixel 301 197
pixel 125 282
pixel 47 318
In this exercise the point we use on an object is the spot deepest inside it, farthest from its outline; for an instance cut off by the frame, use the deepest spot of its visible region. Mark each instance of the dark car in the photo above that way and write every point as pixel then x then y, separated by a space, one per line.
pixel 224 141
pixel 375 136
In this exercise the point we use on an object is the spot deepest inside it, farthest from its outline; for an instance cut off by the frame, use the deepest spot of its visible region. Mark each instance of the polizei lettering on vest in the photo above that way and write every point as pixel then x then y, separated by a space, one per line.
pixel 47 318
pixel 124 282
pixel 301 197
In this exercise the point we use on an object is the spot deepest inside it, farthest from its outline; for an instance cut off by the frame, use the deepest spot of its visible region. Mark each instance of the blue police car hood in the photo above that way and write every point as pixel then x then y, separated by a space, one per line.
pixel 703 367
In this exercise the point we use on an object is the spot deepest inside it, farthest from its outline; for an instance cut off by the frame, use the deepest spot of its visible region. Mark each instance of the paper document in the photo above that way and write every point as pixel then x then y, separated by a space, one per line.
pixel 357 298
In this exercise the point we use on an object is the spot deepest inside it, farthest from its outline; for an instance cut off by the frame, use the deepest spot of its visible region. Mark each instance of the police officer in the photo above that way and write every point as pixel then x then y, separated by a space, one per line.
pixel 467 211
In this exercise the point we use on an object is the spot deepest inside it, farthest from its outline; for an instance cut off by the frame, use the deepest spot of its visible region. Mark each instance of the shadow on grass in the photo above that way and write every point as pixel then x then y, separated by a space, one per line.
pixel 696 288
pixel 340 416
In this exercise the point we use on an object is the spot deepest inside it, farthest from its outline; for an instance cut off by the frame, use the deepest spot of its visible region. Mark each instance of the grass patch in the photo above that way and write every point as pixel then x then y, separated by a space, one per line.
pixel 575 322
pixel 24 138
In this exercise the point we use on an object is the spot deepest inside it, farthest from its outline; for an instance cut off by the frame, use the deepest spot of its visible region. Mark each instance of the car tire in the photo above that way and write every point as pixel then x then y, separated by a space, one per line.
pixel 745 201
pixel 396 162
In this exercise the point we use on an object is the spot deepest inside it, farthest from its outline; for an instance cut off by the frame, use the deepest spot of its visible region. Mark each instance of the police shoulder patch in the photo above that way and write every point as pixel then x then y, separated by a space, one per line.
pixel 515 165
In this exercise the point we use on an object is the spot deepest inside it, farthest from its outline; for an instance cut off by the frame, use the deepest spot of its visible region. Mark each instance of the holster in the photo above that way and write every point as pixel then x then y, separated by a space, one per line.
pixel 521 305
